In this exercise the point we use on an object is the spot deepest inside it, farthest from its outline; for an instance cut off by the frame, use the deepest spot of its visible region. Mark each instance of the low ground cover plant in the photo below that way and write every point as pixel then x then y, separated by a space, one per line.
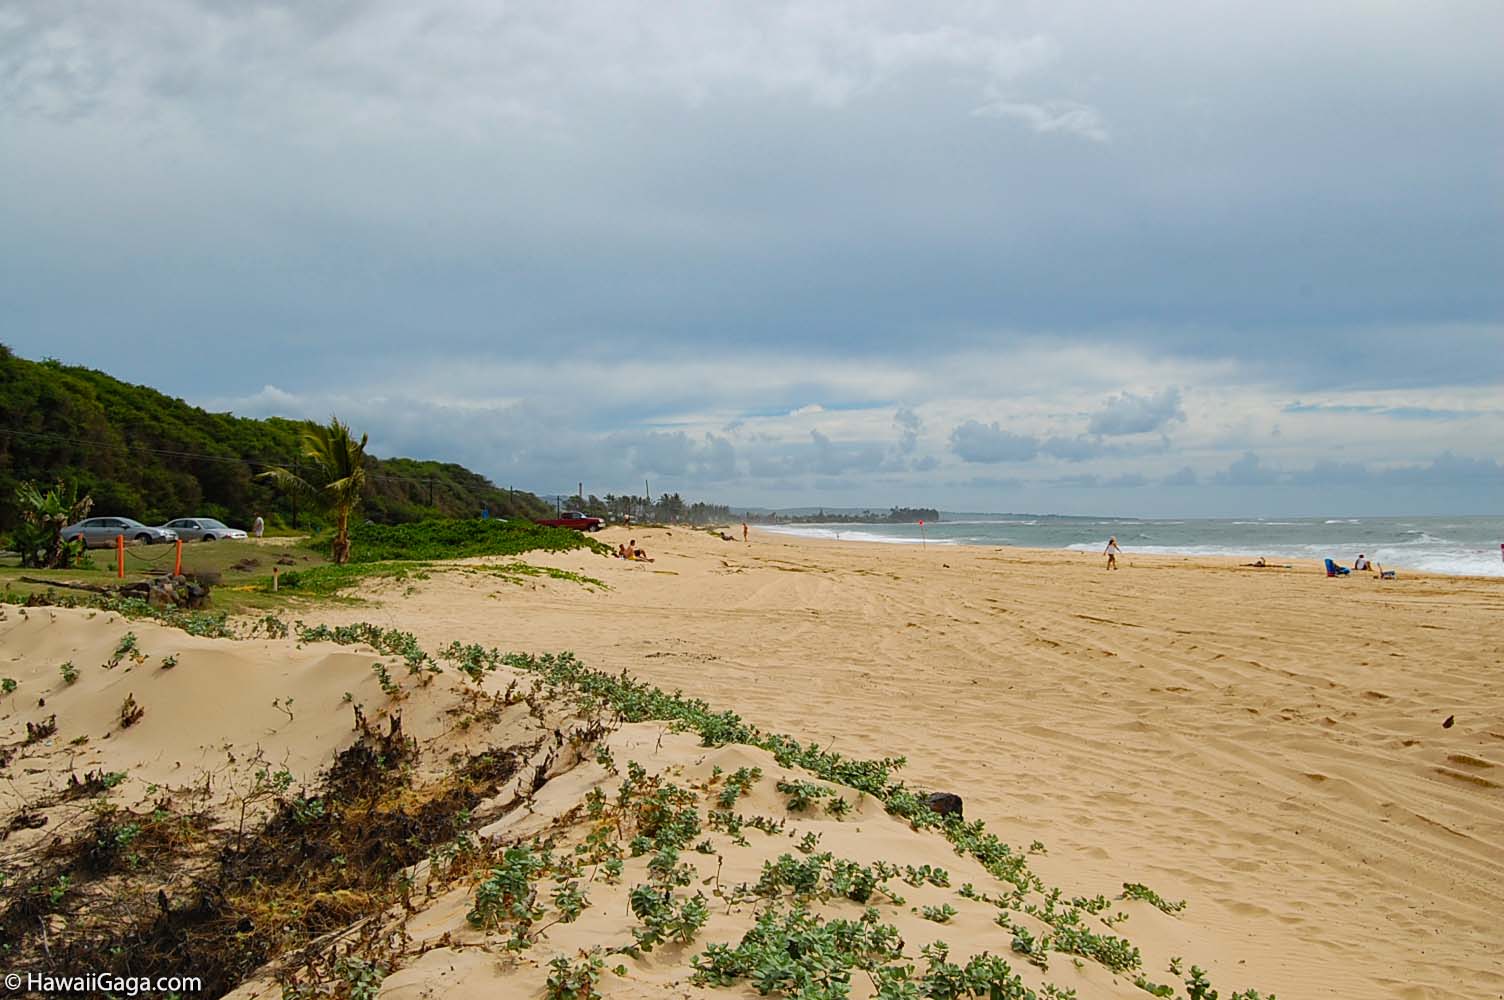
pixel 458 538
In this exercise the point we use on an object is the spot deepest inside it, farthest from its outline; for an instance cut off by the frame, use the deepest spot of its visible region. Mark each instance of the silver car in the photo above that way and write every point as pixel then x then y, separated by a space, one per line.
pixel 201 529
pixel 98 532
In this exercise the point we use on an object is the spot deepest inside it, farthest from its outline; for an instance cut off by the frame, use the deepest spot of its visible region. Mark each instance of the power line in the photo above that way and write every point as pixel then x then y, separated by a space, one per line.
pixel 200 456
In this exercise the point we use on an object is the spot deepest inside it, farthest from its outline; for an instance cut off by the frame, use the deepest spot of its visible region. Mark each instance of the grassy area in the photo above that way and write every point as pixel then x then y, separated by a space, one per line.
pixel 241 567
pixel 401 552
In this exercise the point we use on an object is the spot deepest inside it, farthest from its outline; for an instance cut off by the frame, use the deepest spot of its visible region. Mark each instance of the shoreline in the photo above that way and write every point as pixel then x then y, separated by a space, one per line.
pixel 826 533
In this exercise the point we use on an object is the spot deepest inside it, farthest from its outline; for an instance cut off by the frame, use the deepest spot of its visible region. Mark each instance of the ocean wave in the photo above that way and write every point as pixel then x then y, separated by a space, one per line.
pixel 1470 550
pixel 1449 561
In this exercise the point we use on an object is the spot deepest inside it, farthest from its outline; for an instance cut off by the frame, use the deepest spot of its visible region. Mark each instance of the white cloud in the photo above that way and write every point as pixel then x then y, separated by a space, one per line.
pixel 1069 117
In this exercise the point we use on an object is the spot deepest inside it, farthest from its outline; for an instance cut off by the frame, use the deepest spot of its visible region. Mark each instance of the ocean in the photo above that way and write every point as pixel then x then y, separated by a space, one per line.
pixel 1457 546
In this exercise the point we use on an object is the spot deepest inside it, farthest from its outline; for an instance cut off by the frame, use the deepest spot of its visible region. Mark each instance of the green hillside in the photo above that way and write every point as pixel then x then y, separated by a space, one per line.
pixel 144 454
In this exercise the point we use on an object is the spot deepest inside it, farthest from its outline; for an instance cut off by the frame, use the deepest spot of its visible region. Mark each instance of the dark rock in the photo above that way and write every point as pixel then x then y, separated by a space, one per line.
pixel 944 803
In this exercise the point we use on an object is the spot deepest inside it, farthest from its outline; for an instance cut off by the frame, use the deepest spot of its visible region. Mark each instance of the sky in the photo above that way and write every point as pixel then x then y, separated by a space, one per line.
pixel 1174 258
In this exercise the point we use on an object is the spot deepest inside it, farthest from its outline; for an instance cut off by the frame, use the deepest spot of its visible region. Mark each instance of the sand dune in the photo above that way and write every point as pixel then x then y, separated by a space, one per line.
pixel 1267 744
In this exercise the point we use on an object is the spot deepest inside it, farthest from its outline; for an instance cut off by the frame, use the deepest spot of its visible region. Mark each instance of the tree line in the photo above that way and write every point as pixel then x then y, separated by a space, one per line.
pixel 141 453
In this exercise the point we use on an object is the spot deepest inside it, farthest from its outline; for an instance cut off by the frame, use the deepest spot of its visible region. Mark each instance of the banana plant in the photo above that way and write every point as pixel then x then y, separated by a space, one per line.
pixel 44 515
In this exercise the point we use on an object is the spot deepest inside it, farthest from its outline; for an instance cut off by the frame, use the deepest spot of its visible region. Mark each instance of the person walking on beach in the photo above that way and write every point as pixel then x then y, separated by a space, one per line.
pixel 258 526
pixel 1112 552
pixel 748 541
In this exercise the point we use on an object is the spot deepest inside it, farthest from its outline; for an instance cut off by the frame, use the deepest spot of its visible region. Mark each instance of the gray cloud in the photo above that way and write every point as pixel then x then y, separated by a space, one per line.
pixel 1080 448
pixel 989 443
pixel 1128 413
pixel 909 425
pixel 1127 480
pixel 523 238
pixel 711 459
pixel 1248 471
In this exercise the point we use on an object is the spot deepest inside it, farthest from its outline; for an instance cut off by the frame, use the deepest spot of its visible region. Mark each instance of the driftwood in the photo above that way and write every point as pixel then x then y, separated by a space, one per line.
pixel 161 592
pixel 91 587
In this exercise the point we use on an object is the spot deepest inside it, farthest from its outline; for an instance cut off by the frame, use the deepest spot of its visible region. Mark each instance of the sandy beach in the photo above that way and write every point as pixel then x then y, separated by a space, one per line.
pixel 1265 743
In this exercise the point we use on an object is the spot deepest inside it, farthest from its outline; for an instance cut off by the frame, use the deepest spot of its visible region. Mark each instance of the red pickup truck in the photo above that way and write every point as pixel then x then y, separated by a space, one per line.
pixel 574 519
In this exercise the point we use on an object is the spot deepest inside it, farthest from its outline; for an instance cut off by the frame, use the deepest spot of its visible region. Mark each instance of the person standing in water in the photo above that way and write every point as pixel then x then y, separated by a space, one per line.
pixel 1112 552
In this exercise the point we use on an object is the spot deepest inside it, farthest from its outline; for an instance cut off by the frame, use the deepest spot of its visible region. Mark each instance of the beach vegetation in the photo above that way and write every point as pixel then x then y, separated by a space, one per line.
pixel 41 516
pixel 459 538
pixel 574 980
pixel 1135 890
pixel 69 672
pixel 649 816
pixel 738 784
pixel 939 914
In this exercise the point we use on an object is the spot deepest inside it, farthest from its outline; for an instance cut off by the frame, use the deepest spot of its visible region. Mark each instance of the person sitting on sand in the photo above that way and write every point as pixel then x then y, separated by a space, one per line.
pixel 638 554
pixel 1112 552
pixel 1361 563
pixel 622 552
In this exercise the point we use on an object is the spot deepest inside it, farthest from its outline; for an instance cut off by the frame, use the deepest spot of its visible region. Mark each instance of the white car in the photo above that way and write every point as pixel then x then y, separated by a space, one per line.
pixel 202 529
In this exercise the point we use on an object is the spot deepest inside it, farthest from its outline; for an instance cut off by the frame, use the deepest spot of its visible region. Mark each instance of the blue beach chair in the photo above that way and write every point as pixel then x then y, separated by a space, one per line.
pixel 1332 569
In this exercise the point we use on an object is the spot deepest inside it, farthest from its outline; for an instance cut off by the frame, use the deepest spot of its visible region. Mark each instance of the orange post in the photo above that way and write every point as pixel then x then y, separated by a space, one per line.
pixel 177 563
pixel 120 556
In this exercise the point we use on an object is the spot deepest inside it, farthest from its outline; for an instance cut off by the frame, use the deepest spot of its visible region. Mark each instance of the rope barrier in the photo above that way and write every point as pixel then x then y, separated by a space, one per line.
pixel 149 562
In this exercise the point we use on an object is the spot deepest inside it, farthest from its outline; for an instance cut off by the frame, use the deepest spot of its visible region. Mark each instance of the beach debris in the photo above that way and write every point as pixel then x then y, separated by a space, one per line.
pixel 944 803
pixel 130 712
pixel 179 592
pixel 25 821
pixel 182 591
pixel 41 730
pixel 1448 723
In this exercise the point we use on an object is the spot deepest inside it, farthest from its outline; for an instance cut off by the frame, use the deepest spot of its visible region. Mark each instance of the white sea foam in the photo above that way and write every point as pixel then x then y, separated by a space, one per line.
pixel 1460 547
pixel 1448 561
pixel 854 534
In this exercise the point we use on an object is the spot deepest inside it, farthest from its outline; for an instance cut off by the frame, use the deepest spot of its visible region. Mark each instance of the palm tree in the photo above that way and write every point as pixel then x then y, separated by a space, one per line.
pixel 339 463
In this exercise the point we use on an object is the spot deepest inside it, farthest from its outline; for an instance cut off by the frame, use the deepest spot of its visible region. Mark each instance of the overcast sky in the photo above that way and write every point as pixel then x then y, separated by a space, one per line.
pixel 1167 258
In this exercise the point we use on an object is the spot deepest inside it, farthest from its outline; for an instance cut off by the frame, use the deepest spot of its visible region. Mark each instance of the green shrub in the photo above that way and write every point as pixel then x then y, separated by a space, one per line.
pixel 458 539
